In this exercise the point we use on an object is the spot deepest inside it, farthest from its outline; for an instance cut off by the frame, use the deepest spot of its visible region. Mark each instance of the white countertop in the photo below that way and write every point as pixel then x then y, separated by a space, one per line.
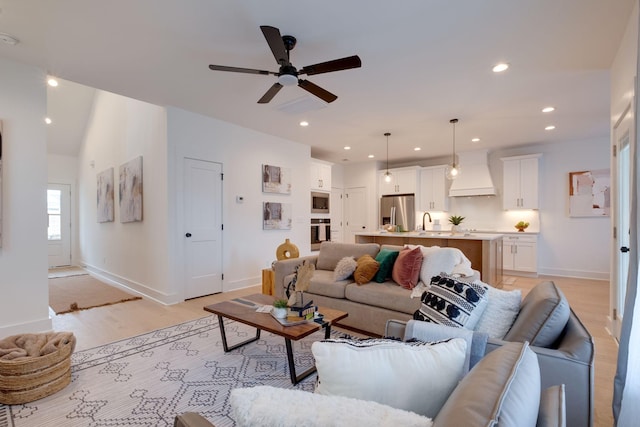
pixel 433 235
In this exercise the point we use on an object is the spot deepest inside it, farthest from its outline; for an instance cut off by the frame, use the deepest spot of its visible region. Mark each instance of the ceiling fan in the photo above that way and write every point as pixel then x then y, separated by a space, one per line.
pixel 288 75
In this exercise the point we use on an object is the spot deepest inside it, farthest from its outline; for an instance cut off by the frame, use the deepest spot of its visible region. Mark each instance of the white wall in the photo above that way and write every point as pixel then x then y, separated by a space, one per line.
pixel 24 305
pixel 64 170
pixel 247 248
pixel 136 253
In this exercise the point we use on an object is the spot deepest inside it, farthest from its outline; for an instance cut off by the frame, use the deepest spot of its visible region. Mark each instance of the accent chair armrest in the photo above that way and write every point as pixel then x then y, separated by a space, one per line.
pixel 191 419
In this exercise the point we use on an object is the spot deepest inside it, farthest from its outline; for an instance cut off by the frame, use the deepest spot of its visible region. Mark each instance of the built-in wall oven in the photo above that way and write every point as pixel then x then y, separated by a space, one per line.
pixel 320 202
pixel 320 232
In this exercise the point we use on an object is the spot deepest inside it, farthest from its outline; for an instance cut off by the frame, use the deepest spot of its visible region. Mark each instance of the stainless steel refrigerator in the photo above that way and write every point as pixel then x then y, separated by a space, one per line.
pixel 398 210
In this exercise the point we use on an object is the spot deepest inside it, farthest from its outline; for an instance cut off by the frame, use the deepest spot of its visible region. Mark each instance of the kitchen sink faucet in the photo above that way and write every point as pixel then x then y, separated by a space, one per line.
pixel 424 226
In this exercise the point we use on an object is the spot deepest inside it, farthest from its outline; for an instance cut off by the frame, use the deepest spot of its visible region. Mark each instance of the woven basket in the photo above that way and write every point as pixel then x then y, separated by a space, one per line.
pixel 32 378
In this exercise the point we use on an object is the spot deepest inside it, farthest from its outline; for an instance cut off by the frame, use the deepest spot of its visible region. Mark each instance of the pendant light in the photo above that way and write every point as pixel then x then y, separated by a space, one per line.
pixel 453 170
pixel 387 174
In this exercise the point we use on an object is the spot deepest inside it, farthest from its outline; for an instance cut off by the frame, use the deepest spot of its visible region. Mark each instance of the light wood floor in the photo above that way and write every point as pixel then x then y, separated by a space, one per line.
pixel 588 298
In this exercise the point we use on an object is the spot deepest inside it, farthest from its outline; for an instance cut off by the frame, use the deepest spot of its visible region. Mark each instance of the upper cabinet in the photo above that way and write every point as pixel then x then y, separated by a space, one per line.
pixel 433 194
pixel 520 181
pixel 320 176
pixel 403 181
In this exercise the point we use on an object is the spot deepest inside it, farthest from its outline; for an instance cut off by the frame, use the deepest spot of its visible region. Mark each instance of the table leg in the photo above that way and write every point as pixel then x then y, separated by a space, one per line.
pixel 295 379
pixel 224 337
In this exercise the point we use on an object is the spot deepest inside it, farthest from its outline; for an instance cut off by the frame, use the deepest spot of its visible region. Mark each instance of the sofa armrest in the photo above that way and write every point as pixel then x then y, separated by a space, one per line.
pixel 284 268
pixel 552 411
pixel 571 363
pixel 395 328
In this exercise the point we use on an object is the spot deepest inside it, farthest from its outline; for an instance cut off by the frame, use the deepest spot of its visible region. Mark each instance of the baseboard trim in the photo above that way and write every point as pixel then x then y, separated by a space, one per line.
pixel 35 326
pixel 594 275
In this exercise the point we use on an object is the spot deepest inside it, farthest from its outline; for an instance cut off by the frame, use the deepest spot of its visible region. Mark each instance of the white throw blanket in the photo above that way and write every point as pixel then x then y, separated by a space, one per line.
pixel 438 260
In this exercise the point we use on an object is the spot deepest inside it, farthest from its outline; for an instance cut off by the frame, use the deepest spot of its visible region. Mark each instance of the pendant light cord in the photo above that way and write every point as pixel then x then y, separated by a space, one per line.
pixel 387 135
pixel 453 156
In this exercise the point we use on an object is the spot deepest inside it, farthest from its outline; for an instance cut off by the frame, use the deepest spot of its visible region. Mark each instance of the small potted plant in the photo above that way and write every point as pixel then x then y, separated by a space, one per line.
pixel 280 308
pixel 521 226
pixel 456 220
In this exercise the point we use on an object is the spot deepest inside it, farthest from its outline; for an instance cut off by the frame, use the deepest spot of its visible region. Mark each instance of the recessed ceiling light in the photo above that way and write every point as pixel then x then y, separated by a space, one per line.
pixel 475 140
pixel 552 127
pixel 52 82
pixel 371 156
pixel 548 109
pixel 8 39
pixel 498 68
pixel 417 149
pixel 47 120
pixel 346 147
pixel 304 123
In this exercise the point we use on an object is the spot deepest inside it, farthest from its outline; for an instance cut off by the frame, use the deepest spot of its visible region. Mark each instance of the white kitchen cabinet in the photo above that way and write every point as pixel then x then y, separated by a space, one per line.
pixel 320 176
pixel 520 253
pixel 403 181
pixel 520 181
pixel 433 189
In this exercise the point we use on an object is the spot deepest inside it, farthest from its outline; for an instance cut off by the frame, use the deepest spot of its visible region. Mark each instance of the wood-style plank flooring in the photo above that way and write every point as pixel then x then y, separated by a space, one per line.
pixel 588 298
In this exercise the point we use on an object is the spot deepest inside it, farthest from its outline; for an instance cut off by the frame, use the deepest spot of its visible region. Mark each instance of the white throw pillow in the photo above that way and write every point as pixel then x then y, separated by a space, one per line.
pixel 345 268
pixel 415 376
pixel 271 406
pixel 501 311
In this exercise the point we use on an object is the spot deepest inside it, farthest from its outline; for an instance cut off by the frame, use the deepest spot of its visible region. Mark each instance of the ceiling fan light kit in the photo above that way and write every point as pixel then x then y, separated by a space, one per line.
pixel 453 170
pixel 288 75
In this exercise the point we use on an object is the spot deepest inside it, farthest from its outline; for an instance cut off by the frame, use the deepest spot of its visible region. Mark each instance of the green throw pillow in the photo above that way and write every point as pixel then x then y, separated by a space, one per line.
pixel 385 258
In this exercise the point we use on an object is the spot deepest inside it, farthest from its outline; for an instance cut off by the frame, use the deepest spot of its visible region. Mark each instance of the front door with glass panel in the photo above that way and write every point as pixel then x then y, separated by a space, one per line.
pixel 59 224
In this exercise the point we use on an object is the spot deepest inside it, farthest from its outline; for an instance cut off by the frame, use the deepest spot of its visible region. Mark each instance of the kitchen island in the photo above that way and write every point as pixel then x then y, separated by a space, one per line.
pixel 483 250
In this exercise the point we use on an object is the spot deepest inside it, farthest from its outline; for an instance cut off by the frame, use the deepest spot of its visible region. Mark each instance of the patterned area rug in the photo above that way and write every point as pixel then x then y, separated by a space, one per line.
pixel 148 379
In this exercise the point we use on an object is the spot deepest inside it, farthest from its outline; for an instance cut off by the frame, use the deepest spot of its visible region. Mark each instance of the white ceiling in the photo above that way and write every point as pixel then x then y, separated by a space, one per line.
pixel 423 63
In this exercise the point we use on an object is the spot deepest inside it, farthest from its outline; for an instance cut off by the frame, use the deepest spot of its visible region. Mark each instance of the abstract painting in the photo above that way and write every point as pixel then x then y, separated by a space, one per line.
pixel 130 194
pixel 276 179
pixel 105 195
pixel 590 193
pixel 276 216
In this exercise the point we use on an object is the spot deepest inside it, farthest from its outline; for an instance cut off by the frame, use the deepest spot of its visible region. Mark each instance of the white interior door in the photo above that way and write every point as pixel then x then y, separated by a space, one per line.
pixel 203 227
pixel 623 134
pixel 335 205
pixel 355 212
pixel 59 224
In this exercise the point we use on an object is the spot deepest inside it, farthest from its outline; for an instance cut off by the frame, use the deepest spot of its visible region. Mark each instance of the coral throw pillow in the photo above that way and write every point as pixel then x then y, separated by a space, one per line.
pixel 406 270
pixel 366 269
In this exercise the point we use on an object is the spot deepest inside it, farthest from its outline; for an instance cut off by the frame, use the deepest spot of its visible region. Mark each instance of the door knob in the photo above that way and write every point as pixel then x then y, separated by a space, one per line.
pixel 624 249
pixel 188 235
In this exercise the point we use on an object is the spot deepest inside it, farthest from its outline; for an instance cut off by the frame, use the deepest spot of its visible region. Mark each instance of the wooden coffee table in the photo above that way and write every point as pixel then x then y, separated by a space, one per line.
pixel 243 310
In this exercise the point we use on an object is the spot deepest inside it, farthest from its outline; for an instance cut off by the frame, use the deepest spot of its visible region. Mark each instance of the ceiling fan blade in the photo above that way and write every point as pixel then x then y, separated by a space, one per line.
pixel 335 65
pixel 316 90
pixel 268 96
pixel 240 70
pixel 274 39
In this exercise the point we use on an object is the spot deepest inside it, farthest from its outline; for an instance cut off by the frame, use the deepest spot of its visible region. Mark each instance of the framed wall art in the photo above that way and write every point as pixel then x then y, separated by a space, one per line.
pixel 276 179
pixel 130 190
pixel 276 216
pixel 590 193
pixel 105 198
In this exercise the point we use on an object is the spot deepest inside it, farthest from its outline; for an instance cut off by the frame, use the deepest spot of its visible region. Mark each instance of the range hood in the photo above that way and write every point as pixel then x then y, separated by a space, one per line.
pixel 475 178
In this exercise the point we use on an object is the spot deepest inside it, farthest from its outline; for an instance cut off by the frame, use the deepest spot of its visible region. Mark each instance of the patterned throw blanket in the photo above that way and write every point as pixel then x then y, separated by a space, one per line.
pixel 34 345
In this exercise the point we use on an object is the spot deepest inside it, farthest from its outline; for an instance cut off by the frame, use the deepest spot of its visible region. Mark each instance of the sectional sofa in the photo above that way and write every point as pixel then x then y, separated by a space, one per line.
pixel 564 347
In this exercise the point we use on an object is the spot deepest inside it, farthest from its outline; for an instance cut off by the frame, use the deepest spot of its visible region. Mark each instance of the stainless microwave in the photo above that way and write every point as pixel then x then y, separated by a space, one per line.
pixel 320 202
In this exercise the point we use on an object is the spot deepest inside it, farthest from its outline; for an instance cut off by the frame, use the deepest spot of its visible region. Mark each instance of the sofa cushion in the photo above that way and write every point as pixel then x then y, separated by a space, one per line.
pixel 273 406
pixel 406 269
pixel 502 389
pixel 366 269
pixel 386 295
pixel 386 258
pixel 452 302
pixel 332 252
pixel 322 283
pixel 543 315
pixel 502 309
pixel 416 377
pixel 345 268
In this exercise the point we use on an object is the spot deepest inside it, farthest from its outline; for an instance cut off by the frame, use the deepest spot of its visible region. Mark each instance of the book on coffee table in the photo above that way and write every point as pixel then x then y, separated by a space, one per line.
pixel 291 320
